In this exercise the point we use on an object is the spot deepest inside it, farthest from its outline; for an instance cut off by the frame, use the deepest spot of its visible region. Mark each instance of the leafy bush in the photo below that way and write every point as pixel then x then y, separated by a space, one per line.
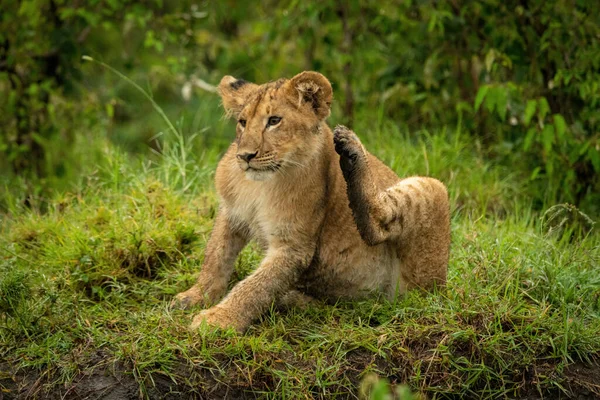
pixel 520 77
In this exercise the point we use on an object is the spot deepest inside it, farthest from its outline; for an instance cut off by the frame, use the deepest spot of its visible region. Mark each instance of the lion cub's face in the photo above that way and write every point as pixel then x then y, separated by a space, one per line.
pixel 277 122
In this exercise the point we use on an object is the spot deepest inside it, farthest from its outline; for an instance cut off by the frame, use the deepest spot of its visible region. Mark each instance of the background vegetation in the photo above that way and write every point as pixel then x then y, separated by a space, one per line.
pixel 105 209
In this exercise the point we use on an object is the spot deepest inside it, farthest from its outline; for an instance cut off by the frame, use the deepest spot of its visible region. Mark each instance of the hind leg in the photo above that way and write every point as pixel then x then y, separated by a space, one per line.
pixel 294 298
pixel 425 262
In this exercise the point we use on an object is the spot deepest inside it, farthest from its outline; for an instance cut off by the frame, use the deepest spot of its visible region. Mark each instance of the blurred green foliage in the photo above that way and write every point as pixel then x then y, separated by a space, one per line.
pixel 521 77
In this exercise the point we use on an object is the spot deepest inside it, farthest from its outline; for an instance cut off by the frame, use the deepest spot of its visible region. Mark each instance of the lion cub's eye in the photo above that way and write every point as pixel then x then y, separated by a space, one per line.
pixel 273 121
pixel 242 122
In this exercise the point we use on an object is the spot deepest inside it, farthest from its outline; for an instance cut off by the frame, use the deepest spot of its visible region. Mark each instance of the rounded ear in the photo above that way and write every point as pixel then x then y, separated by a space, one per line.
pixel 234 94
pixel 314 89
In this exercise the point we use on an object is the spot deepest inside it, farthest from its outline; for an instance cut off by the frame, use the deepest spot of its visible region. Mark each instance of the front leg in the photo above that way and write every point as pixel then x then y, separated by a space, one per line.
pixel 386 214
pixel 250 298
pixel 225 243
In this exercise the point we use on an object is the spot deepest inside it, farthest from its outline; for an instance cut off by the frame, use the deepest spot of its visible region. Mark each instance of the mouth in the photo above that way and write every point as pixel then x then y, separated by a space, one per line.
pixel 271 167
pixel 260 174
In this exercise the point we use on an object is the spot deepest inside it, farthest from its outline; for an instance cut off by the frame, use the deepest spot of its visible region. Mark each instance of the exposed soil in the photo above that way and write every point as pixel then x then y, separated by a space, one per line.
pixel 117 382
pixel 583 380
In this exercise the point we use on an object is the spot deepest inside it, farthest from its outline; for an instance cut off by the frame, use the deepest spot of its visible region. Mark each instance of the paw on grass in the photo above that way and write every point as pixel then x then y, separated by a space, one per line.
pixel 217 317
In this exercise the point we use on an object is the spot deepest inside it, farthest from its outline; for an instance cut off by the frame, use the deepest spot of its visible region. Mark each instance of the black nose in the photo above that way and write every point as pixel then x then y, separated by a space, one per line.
pixel 247 156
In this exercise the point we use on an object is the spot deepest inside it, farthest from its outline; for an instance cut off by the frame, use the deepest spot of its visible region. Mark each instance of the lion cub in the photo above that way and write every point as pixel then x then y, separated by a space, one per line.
pixel 334 220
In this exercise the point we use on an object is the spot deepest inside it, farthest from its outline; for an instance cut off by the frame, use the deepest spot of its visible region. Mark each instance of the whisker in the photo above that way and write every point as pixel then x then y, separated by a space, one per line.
pixel 281 171
pixel 294 163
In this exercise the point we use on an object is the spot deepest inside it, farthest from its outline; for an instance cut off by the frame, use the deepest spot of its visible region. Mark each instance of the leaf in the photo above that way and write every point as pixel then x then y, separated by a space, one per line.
pixel 560 125
pixel 66 13
pixel 584 148
pixel 548 137
pixel 491 99
pixel 529 111
pixel 529 138
pixel 463 106
pixel 110 110
pixel 544 108
pixel 594 155
pixel 480 96
pixel 380 390
pixel 432 23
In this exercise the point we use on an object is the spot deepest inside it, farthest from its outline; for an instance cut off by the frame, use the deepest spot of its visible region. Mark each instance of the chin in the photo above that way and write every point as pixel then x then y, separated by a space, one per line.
pixel 259 176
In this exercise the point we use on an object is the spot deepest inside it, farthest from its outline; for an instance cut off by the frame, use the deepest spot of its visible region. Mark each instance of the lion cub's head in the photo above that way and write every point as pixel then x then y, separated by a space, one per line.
pixel 277 122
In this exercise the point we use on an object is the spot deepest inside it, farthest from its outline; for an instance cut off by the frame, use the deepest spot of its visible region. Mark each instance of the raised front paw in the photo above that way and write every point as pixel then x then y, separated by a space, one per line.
pixel 218 317
pixel 348 146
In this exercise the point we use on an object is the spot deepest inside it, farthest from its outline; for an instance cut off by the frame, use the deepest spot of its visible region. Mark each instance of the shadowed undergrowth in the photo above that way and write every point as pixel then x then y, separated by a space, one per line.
pixel 84 289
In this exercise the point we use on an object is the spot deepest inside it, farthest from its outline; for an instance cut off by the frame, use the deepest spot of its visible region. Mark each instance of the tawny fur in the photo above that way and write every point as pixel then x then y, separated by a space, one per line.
pixel 335 222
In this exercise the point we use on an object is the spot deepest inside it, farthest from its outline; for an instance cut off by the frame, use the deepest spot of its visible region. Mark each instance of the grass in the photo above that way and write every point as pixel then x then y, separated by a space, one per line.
pixel 84 288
